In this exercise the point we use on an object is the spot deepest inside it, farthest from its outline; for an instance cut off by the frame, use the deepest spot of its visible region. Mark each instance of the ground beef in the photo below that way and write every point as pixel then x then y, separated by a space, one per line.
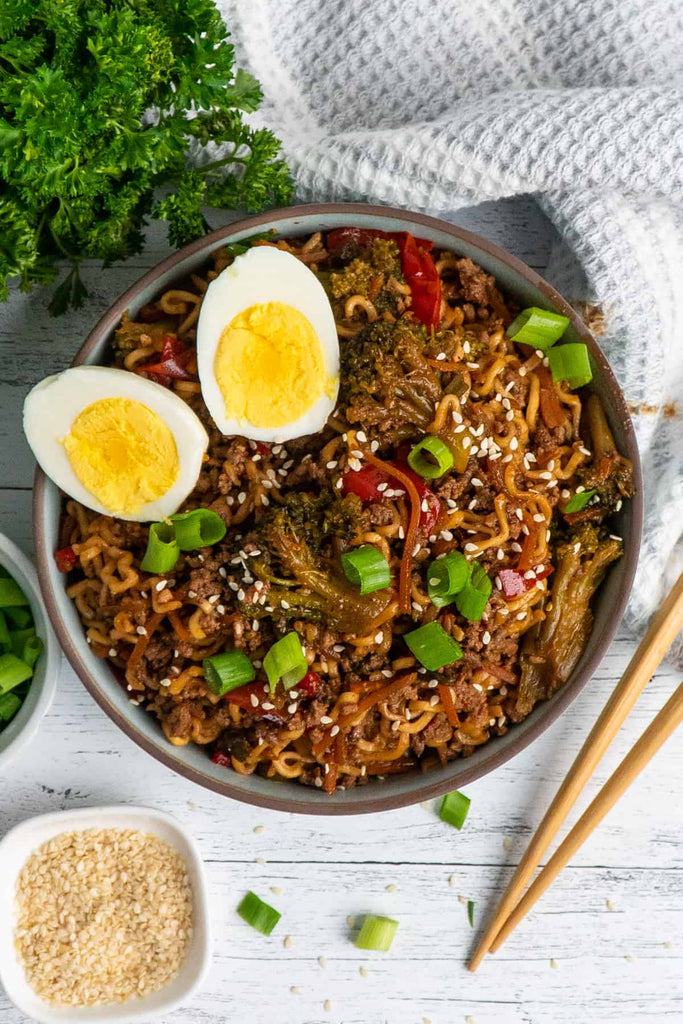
pixel 379 515
pixel 204 583
pixel 453 487
pixel 179 720
pixel 439 730
pixel 475 283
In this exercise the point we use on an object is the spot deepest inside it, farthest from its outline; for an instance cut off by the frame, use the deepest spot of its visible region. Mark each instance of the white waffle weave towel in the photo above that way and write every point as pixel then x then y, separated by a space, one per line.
pixel 440 104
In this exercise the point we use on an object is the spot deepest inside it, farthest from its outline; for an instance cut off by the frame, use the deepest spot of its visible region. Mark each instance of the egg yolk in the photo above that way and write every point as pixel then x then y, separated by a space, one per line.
pixel 270 366
pixel 122 453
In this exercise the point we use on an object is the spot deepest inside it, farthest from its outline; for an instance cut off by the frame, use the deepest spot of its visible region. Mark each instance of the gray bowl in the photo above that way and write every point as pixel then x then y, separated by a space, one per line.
pixel 528 289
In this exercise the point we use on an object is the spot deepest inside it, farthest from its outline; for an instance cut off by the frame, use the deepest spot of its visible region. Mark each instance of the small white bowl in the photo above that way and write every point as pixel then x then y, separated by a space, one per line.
pixel 17 846
pixel 24 725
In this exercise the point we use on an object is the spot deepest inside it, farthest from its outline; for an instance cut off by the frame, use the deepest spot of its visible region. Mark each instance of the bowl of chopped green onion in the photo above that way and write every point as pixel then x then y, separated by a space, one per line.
pixel 29 656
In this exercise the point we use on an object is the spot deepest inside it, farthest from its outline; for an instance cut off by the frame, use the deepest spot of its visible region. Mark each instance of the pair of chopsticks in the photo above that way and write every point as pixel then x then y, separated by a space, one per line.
pixel 663 630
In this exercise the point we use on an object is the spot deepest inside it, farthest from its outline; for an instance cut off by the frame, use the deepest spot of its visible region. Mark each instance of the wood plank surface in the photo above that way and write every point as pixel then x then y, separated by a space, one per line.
pixel 604 945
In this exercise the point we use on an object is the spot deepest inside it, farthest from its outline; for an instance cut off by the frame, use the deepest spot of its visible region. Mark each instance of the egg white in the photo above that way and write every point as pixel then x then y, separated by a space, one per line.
pixel 52 405
pixel 262 275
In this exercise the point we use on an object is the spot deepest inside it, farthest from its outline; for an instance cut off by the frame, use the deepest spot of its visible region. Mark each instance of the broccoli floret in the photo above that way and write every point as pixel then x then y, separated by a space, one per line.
pixel 313 518
pixel 367 274
pixel 387 381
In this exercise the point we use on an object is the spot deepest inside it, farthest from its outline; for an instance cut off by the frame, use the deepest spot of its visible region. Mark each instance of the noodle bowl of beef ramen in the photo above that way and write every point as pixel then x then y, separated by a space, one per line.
pixel 391 517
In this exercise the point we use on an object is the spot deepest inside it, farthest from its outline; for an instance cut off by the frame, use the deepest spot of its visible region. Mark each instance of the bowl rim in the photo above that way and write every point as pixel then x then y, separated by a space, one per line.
pixel 112 816
pixel 16 562
pixel 281 799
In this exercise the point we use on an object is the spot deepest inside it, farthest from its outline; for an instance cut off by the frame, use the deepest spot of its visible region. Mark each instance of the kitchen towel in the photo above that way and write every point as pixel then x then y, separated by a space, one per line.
pixel 439 104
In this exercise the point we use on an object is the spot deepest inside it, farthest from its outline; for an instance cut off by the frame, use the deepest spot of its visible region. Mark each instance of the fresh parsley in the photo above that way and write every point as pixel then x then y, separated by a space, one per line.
pixel 100 103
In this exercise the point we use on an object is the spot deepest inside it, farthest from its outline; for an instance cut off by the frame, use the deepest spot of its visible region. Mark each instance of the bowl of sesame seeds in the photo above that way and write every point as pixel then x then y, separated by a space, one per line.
pixel 103 915
pixel 175 719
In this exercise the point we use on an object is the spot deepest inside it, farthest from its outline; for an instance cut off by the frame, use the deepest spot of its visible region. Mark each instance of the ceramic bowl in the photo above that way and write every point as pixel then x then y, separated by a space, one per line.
pixel 23 727
pixel 18 845
pixel 518 281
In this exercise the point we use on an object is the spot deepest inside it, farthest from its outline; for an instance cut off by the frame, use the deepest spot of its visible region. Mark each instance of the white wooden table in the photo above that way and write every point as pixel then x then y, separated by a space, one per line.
pixel 605 944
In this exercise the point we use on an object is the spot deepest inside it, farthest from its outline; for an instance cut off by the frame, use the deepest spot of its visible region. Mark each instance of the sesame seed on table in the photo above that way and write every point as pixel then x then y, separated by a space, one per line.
pixel 611 925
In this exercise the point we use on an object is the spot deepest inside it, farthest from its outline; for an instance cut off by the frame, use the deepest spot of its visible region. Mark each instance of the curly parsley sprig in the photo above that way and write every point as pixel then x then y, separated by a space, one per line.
pixel 99 101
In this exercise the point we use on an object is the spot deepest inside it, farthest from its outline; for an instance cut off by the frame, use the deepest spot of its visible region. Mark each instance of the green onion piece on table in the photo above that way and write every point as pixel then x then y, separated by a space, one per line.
pixel 538 328
pixel 470 912
pixel 474 596
pixel 198 529
pixel 571 363
pixel 32 650
pixel 377 933
pixel 9 705
pixel 454 809
pixel 432 646
pixel 578 501
pixel 258 914
pixel 162 549
pixel 11 594
pixel 446 577
pixel 20 618
pixel 12 672
pixel 431 457
pixel 286 661
pixel 227 671
pixel 366 568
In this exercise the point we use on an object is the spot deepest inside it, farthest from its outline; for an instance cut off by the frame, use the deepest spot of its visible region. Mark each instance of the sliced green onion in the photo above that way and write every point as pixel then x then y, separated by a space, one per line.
pixel 470 912
pixel 286 661
pixel 366 568
pixel 446 577
pixel 162 549
pixel 578 501
pixel 19 617
pixel 12 672
pixel 571 363
pixel 377 933
pixel 198 529
pixel 227 671
pixel 258 914
pixel 454 808
pixel 9 705
pixel 474 596
pixel 537 327
pixel 431 457
pixel 432 646
pixel 4 631
pixel 11 594
pixel 32 650
pixel 18 639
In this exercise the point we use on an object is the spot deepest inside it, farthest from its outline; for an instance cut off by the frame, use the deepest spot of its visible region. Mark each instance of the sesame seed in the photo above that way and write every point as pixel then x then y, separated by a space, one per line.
pixel 112 652
pixel 519 514
pixel 476 482
pixel 486 638
pixel 416 548
pixel 325 720
pixel 470 546
pixel 514 444
pixel 500 554
pixel 522 371
pixel 446 535
pixel 291 708
pixel 334 730
pixel 254 700
pixel 141 630
pixel 379 637
pixel 241 497
pixel 538 518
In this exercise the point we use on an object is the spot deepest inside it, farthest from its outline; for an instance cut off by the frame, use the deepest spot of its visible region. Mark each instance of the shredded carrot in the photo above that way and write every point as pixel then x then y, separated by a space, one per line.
pixel 526 558
pixel 441 364
pixel 379 695
pixel 499 672
pixel 180 628
pixel 140 648
pixel 551 410
pixel 330 777
pixel 411 533
pixel 446 694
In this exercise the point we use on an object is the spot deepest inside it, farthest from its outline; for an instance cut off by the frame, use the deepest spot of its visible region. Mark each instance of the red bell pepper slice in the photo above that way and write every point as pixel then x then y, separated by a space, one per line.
pixel 175 355
pixel 66 559
pixel 224 760
pixel 417 264
pixel 310 684
pixel 364 482
pixel 514 583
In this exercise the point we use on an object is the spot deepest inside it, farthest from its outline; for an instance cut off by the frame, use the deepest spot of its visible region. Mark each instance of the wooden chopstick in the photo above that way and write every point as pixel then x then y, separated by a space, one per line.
pixel 659 730
pixel 663 629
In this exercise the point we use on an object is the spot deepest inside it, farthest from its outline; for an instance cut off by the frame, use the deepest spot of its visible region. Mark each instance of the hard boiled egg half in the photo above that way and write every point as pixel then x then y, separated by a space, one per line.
pixel 118 443
pixel 267 348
